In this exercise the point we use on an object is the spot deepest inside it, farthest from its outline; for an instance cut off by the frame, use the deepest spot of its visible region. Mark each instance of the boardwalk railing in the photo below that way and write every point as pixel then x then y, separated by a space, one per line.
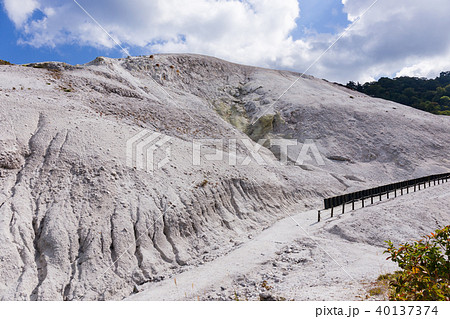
pixel 351 198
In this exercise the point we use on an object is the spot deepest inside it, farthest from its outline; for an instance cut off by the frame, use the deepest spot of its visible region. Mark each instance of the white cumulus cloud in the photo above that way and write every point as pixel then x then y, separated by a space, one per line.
pixel 20 11
pixel 393 37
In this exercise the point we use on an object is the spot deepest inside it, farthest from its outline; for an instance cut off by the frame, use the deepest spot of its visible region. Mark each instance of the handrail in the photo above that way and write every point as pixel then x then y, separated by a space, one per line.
pixel 336 201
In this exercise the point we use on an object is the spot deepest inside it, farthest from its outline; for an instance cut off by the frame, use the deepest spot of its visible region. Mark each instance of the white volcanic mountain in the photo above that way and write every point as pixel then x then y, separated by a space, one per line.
pixel 78 223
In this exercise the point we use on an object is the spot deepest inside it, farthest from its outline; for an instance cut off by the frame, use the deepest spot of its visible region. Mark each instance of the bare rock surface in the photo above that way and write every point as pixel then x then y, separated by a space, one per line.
pixel 77 223
pixel 300 259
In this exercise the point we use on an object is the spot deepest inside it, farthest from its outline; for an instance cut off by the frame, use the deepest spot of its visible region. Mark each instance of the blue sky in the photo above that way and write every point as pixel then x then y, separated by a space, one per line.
pixel 401 38
pixel 13 51
pixel 321 16
pixel 317 16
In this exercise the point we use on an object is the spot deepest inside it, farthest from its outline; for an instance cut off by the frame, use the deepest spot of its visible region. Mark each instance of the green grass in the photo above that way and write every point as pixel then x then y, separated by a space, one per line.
pixel 377 291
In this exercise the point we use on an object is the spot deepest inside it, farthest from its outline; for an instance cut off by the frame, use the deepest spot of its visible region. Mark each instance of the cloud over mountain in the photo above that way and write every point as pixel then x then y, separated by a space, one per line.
pixel 405 37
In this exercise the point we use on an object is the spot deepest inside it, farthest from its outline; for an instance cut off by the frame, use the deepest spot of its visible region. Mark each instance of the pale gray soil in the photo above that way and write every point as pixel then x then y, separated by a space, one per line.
pixel 301 259
pixel 70 206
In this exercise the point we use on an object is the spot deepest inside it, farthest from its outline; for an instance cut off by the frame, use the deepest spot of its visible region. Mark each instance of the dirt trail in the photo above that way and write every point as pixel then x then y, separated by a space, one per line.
pixel 325 263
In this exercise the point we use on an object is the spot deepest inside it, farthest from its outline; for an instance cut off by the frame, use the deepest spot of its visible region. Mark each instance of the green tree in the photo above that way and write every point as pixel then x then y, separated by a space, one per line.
pixel 445 100
pixel 425 94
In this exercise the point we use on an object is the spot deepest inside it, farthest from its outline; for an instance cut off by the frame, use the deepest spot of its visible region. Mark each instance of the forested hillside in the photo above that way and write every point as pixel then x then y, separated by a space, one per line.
pixel 431 95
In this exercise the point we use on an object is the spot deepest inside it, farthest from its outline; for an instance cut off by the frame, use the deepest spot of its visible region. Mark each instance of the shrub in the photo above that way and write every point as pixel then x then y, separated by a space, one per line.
pixel 425 268
pixel 3 62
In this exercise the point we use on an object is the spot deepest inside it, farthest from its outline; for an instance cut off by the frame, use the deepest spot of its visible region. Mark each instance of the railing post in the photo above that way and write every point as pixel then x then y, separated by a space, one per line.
pixel 373 193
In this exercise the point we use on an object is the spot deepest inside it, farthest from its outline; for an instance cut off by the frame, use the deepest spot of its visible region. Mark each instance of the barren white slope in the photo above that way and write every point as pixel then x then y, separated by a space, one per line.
pixel 70 207
pixel 301 259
